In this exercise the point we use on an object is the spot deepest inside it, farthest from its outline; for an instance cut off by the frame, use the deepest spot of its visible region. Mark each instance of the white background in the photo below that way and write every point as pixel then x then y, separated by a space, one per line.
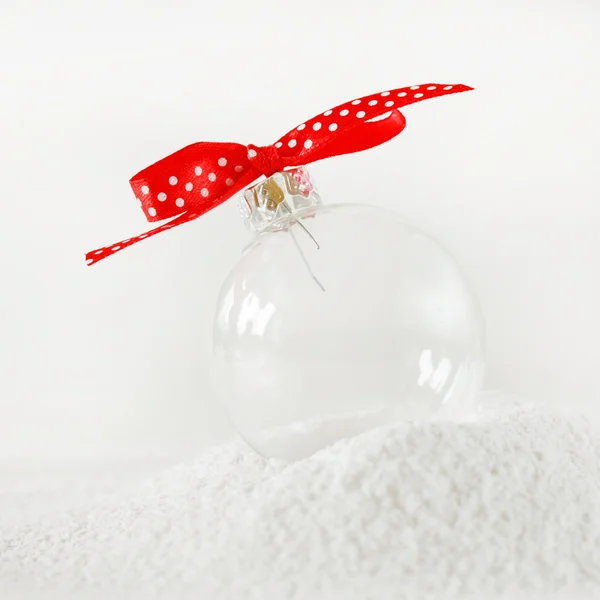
pixel 115 358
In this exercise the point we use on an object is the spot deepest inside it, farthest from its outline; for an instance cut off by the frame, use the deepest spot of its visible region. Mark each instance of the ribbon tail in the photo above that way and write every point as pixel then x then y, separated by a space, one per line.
pixel 94 256
pixel 356 125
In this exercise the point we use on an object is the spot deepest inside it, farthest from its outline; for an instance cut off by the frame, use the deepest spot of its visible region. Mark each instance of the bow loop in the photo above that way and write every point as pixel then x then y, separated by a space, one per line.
pixel 195 179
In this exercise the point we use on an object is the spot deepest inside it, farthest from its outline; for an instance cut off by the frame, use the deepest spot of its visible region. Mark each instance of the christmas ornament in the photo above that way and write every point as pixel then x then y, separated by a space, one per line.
pixel 337 318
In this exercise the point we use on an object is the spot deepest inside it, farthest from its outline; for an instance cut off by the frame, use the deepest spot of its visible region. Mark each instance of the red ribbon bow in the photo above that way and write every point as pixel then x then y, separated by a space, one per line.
pixel 191 181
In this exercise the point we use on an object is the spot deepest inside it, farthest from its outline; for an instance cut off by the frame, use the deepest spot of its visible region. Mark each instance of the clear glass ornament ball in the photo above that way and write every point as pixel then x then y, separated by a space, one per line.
pixel 337 319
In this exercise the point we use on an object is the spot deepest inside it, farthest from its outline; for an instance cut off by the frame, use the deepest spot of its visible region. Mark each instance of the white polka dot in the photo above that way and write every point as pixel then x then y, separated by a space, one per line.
pixel 372 102
pixel 99 252
pixel 414 87
pixel 360 114
pixel 180 202
pixel 239 169
pixel 333 127
pixel 229 181
pixel 317 126
pixel 389 103
pixel 222 162
pixel 162 197
pixel 448 87
pixel 301 127
pixel 292 143
pixel 204 192
pixel 278 145
pixel 401 94
pixel 152 211
pixel 327 113
pixel 355 102
pixel 385 93
pixel 172 180
pixel 431 87
pixel 344 112
pixel 308 144
pixel 189 187
pixel 251 153
pixel 418 95
pixel 198 171
pixel 145 189
pixel 211 177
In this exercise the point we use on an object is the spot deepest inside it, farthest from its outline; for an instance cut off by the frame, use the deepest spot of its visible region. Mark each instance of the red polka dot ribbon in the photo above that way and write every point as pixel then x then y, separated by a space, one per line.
pixel 195 179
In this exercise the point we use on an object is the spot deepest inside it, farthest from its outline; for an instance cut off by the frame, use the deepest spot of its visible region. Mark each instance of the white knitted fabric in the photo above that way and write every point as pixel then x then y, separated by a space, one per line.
pixel 498 506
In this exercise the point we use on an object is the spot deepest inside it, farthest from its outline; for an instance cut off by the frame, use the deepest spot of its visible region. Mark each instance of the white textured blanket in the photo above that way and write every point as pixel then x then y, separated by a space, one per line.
pixel 505 504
